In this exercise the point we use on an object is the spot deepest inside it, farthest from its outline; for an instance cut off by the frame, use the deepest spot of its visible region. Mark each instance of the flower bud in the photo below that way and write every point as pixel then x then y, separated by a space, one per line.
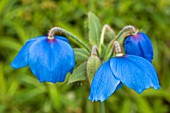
pixel 139 44
pixel 93 64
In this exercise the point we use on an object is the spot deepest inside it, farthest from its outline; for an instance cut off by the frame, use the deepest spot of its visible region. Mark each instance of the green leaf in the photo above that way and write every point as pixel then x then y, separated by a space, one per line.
pixel 13 87
pixel 6 5
pixel 81 54
pixel 126 107
pixel 10 43
pixel 79 74
pixel 93 64
pixel 94 29
pixel 2 80
pixel 22 33
pixel 3 3
pixel 30 94
pixel 142 103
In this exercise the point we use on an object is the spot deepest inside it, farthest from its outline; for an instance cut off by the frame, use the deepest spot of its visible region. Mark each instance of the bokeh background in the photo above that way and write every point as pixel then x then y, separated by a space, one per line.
pixel 20 20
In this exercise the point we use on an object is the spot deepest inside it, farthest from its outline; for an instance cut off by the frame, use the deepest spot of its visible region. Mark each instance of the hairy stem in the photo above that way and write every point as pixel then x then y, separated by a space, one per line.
pixel 128 28
pixel 105 27
pixel 67 33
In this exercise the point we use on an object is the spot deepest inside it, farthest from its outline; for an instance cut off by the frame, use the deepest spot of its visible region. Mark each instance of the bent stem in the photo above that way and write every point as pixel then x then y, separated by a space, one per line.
pixel 67 33
pixel 126 30
pixel 105 27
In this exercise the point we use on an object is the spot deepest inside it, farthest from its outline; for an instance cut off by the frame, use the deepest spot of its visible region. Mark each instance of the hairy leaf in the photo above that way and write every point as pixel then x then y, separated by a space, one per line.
pixel 79 74
pixel 94 29
pixel 81 54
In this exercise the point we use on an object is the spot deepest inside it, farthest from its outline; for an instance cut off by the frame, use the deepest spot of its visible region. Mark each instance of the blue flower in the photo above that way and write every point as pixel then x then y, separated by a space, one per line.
pixel 133 71
pixel 139 45
pixel 49 59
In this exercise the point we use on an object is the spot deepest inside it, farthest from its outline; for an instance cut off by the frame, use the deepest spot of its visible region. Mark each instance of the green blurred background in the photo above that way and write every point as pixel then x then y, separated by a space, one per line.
pixel 20 20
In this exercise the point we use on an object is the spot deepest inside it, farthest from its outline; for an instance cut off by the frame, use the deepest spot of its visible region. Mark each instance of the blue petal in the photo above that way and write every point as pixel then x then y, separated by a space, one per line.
pixel 135 72
pixel 21 60
pixel 119 86
pixel 139 45
pixel 50 61
pixel 103 84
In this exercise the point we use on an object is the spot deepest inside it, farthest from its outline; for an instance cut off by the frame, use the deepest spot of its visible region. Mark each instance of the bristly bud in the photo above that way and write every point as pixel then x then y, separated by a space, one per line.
pixel 93 64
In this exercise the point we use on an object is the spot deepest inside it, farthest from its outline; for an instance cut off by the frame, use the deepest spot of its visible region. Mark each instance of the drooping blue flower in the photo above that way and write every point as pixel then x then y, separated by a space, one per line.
pixel 49 59
pixel 133 71
pixel 139 45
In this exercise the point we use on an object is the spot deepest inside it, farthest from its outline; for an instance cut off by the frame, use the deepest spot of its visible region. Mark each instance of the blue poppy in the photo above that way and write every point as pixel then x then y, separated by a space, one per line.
pixel 139 45
pixel 49 59
pixel 133 71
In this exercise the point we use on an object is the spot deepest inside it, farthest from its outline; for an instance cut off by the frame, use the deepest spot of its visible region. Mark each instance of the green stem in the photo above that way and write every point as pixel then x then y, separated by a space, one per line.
pixel 67 33
pixel 109 51
pixel 125 29
pixel 101 107
pixel 96 107
pixel 105 27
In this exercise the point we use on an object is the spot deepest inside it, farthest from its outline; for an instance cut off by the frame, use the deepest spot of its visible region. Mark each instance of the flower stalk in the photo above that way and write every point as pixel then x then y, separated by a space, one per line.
pixel 130 29
pixel 126 30
pixel 101 107
pixel 105 27
pixel 67 33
